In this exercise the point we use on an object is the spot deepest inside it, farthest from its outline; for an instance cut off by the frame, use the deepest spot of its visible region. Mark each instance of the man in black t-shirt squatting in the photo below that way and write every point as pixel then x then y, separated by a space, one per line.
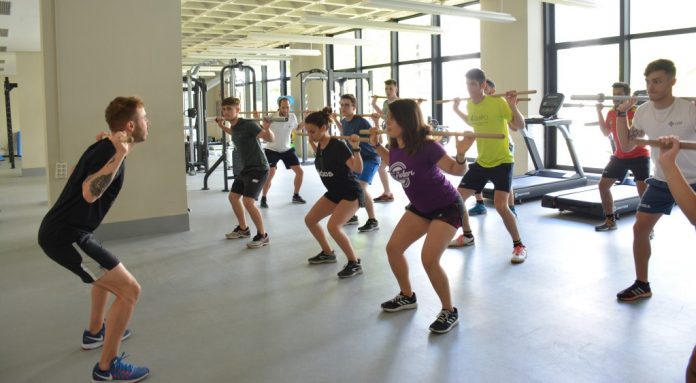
pixel 248 185
pixel 66 236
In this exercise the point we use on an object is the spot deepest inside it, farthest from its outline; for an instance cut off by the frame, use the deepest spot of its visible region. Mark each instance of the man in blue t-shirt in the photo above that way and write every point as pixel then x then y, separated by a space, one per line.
pixel 353 124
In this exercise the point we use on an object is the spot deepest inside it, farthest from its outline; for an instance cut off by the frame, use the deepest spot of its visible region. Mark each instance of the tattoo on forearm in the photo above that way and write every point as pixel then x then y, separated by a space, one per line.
pixel 99 184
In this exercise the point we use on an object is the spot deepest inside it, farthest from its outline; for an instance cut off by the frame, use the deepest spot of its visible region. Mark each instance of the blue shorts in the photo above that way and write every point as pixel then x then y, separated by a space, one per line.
pixel 657 198
pixel 477 176
pixel 370 167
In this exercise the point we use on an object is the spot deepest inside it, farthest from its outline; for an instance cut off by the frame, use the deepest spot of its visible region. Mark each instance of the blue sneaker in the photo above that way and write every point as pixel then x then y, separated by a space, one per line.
pixel 512 209
pixel 91 341
pixel 120 371
pixel 478 209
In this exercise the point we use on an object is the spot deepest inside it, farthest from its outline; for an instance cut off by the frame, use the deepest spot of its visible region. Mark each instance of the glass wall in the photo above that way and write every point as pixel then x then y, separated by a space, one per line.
pixel 344 55
pixel 415 46
pixel 589 60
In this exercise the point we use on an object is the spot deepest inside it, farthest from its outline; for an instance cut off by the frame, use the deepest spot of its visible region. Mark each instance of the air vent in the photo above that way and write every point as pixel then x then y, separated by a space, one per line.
pixel 5 8
pixel 3 49
pixel 2 61
pixel 2 69
pixel 4 32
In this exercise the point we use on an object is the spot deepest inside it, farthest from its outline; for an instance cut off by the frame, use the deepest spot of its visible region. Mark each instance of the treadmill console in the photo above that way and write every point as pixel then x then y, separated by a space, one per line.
pixel 550 105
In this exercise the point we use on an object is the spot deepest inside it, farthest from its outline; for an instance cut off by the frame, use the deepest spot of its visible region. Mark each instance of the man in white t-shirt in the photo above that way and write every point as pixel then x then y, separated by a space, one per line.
pixel 663 115
pixel 280 149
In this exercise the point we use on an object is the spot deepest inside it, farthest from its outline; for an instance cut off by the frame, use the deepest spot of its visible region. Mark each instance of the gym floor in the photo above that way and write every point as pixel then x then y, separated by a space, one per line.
pixel 214 311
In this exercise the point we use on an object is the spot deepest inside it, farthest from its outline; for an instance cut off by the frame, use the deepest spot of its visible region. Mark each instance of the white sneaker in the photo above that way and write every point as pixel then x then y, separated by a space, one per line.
pixel 519 254
pixel 462 241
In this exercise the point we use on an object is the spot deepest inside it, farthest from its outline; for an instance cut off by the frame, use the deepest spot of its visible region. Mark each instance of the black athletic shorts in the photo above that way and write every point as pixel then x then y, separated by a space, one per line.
pixel 288 157
pixel 451 214
pixel 348 195
pixel 249 184
pixel 85 257
pixel 617 168
pixel 477 176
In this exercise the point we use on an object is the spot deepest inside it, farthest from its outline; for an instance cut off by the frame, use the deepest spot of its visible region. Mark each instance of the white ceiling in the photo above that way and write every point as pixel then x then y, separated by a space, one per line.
pixel 206 24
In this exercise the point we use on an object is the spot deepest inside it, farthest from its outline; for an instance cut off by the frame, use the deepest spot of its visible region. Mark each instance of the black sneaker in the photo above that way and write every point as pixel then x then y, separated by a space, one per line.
pixel 323 257
pixel 351 269
pixel 445 321
pixel 637 290
pixel 400 302
pixel 238 233
pixel 370 225
pixel 264 203
pixel 352 221
pixel 297 199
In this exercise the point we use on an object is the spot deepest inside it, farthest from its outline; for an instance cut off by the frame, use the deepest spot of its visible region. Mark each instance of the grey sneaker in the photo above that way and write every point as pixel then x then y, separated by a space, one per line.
pixel 238 233
pixel 351 269
pixel 259 241
pixel 323 257
pixel 352 221
pixel 370 225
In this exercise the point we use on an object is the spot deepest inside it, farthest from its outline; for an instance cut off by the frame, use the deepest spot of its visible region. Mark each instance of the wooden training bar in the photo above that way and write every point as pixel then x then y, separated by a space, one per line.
pixel 404 98
pixel 362 139
pixel 272 119
pixel 656 143
pixel 451 134
pixel 492 95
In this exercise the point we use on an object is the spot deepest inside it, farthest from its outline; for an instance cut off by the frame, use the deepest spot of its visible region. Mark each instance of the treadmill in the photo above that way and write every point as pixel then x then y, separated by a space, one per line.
pixel 541 181
pixel 586 200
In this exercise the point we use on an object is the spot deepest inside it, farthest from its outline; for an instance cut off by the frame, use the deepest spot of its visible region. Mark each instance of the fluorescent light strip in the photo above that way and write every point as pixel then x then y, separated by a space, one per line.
pixel 267 51
pixel 228 56
pixel 360 23
pixel 436 9
pixel 581 3
pixel 285 37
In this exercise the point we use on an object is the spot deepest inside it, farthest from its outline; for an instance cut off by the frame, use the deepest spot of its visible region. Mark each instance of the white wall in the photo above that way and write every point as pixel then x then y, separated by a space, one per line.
pixel 95 51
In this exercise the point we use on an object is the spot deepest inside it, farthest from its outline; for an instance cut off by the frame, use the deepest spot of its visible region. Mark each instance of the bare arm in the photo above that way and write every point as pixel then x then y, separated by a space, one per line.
pixel 355 163
pixel 94 186
pixel 455 107
pixel 376 107
pixel 517 122
pixel 602 123
pixel 458 165
pixel 622 129
pixel 678 186
pixel 266 133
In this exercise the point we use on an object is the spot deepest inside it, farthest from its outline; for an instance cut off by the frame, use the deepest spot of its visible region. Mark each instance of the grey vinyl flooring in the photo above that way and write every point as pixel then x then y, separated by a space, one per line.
pixel 214 311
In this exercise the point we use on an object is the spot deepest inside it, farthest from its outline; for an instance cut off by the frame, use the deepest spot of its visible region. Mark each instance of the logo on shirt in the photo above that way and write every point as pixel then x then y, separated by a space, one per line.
pixel 324 174
pixel 400 173
pixel 674 123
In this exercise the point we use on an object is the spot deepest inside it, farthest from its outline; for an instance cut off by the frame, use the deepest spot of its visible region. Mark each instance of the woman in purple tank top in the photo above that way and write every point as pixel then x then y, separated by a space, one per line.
pixel 435 209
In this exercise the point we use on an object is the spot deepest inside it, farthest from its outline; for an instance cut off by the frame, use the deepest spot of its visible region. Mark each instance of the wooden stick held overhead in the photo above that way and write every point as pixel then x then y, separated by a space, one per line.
pixel 492 95
pixel 656 143
pixel 362 139
pixel 451 134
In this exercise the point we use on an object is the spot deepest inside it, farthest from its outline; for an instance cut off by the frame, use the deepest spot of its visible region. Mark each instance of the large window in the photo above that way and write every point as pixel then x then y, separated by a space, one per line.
pixel 645 50
pixel 462 36
pixel 379 51
pixel 416 82
pixel 651 15
pixel 344 55
pixel 379 75
pixel 414 46
pixel 585 23
pixel 592 52
pixel 580 72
